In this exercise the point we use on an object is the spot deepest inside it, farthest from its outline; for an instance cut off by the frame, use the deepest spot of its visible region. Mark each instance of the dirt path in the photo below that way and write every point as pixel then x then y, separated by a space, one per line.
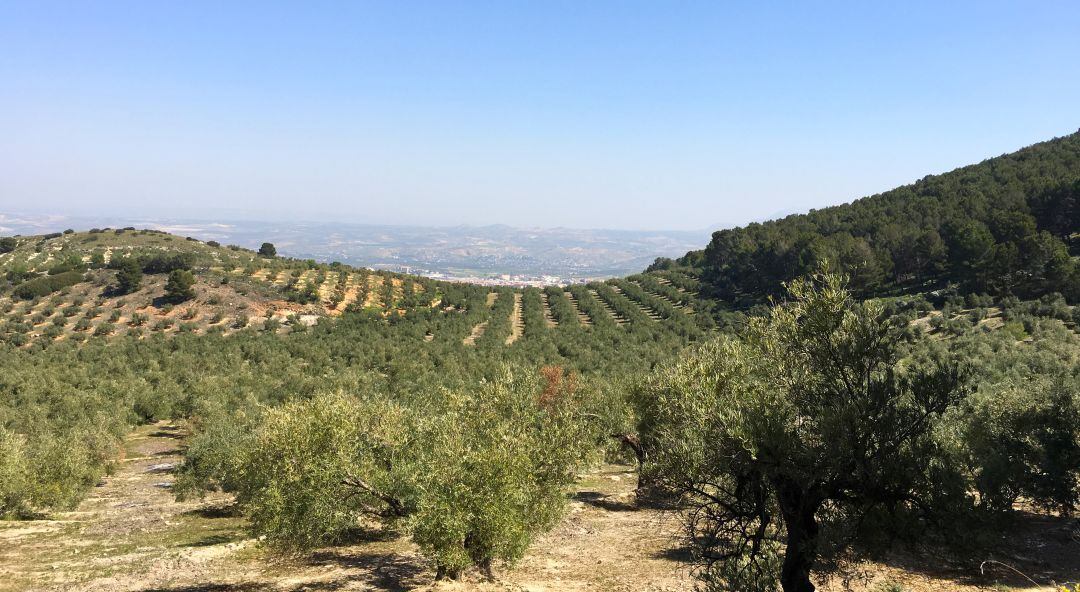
pixel 476 333
pixel 130 535
pixel 128 531
pixel 549 319
pixel 517 321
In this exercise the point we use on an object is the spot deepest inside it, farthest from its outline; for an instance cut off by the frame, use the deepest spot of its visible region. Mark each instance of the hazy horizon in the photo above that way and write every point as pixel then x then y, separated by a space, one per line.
pixel 600 116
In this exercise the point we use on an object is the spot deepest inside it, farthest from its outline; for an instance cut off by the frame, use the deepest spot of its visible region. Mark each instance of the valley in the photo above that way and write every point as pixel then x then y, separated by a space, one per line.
pixel 181 414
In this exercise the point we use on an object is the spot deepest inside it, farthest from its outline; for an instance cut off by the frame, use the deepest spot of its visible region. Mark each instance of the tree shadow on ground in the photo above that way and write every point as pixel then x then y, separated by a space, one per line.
pixel 678 553
pixel 1033 549
pixel 389 572
pixel 216 539
pixel 604 501
pixel 226 510
pixel 168 431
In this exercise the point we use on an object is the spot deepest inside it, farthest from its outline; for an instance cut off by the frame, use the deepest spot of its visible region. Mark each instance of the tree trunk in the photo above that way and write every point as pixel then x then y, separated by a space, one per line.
pixel 798 509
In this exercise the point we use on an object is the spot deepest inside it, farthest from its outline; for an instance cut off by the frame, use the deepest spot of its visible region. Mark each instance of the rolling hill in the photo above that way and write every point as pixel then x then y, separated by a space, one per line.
pixel 63 287
pixel 199 407
pixel 1008 225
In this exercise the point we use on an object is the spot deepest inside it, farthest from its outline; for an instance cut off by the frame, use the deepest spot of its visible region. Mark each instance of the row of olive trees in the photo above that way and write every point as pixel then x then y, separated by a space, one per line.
pixel 819 426
pixel 471 475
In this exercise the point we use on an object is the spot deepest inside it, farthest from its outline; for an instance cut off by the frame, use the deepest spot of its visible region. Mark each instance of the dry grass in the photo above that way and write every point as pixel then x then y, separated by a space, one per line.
pixel 130 535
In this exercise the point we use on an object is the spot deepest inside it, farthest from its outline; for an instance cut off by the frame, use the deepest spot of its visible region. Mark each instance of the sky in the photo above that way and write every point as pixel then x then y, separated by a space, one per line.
pixel 637 115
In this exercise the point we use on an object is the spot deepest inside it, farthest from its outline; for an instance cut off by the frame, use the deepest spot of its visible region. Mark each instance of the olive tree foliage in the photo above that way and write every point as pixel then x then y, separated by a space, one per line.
pixel 784 440
pixel 1022 439
pixel 47 470
pixel 471 475
pixel 1018 435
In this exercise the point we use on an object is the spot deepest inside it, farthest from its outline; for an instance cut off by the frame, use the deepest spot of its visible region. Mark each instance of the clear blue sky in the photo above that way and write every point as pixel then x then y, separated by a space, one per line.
pixel 673 115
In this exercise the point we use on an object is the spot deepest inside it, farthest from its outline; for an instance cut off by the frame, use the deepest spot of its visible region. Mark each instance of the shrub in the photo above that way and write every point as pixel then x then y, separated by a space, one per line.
pixel 43 286
pixel 471 476
pixel 128 276
pixel 1021 438
pixel 14 474
pixel 180 286
pixel 18 339
pixel 306 295
pixel 166 263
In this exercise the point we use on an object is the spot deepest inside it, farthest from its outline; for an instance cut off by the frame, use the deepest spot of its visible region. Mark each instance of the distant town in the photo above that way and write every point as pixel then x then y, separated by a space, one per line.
pixel 497 255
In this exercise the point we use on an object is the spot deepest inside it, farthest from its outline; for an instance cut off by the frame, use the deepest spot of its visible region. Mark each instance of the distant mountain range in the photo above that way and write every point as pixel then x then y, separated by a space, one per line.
pixel 457 252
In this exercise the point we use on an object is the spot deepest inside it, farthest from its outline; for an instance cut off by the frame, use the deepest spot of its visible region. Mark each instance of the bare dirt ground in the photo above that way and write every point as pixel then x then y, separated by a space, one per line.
pixel 517 321
pixel 476 333
pixel 130 535
pixel 549 319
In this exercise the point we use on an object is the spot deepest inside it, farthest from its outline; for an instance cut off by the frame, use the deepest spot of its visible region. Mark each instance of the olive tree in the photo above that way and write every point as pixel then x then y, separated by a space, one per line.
pixel 472 476
pixel 781 440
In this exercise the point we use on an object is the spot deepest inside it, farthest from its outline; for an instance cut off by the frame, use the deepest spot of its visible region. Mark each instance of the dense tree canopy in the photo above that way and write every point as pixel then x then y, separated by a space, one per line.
pixel 1004 226
pixel 128 276
pixel 178 288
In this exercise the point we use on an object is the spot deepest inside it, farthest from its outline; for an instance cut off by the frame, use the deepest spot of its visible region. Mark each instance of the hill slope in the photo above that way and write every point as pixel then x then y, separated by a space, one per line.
pixel 65 287
pixel 1006 225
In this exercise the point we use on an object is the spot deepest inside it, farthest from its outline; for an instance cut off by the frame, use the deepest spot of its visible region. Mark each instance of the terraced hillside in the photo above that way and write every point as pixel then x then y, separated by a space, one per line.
pixel 64 287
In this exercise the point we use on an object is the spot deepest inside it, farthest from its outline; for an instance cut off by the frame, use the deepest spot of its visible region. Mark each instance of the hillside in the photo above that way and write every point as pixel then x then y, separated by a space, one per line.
pixel 1007 225
pixel 179 415
pixel 63 286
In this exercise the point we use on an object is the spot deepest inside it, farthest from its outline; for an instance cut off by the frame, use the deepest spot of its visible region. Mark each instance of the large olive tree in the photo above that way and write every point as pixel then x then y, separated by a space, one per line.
pixel 782 440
